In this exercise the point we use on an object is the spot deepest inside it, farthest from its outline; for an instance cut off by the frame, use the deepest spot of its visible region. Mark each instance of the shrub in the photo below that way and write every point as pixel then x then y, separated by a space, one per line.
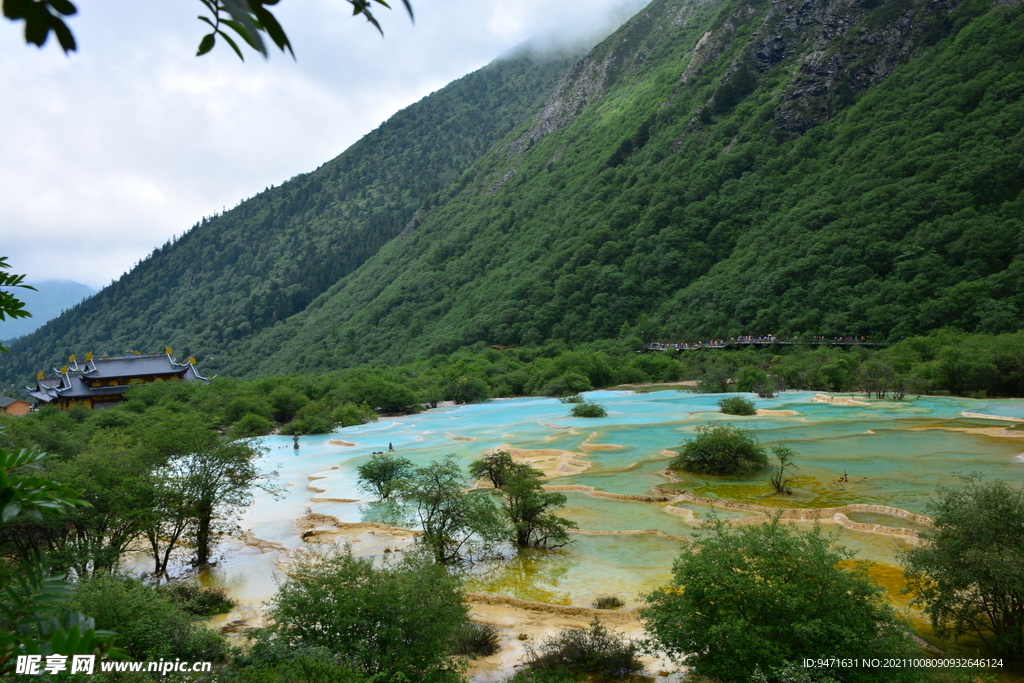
pixel 714 381
pixel 767 596
pixel 589 409
pixel 148 623
pixel 478 640
pixel 271 660
pixel 249 425
pixel 608 602
pixel 721 449
pixel 967 576
pixel 574 398
pixel 197 600
pixel 308 425
pixel 567 384
pixel 593 651
pixel 351 414
pixel 737 405
pixel 396 622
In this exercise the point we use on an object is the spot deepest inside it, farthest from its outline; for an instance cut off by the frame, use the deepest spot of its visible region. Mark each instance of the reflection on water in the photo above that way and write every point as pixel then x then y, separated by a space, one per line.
pixel 529 575
pixel 892 453
pixel 388 513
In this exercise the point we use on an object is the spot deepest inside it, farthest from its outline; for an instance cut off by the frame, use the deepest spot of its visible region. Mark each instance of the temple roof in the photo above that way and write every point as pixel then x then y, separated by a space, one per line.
pixel 74 382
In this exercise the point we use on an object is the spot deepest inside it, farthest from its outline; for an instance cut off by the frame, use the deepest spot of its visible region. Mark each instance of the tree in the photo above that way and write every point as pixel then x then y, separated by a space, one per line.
pixel 455 525
pixel 10 306
pixel 33 620
pixel 968 574
pixel 496 467
pixel 778 481
pixel 250 20
pixel 714 381
pixel 737 405
pixel 764 597
pixel 384 474
pixel 117 483
pixel 527 507
pixel 751 378
pixel 721 449
pixel 877 377
pixel 398 621
pixel 198 493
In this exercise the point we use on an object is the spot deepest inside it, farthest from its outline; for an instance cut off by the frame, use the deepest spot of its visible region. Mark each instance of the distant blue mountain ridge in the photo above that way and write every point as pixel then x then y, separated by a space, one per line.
pixel 51 298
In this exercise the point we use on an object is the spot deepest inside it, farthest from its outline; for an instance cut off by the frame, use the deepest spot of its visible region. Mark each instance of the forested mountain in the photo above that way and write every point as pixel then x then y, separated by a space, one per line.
pixel 713 168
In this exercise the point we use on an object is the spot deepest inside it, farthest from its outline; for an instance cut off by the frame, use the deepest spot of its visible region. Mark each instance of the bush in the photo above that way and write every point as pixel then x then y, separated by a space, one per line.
pixel 589 409
pixel 250 425
pixel 568 384
pixel 308 425
pixel 574 398
pixel 478 640
pixel 197 600
pixel 398 622
pixel 351 414
pixel 968 577
pixel 714 381
pixel 271 660
pixel 721 449
pixel 608 602
pixel 593 651
pixel 737 405
pixel 764 597
pixel 148 623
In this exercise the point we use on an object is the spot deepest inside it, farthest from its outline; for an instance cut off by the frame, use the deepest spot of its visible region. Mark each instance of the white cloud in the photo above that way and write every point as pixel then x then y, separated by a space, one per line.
pixel 114 149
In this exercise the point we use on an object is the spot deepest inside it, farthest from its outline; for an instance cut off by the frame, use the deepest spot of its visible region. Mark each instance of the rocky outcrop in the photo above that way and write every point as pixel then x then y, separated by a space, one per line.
pixel 834 51
pixel 841 48
pixel 576 89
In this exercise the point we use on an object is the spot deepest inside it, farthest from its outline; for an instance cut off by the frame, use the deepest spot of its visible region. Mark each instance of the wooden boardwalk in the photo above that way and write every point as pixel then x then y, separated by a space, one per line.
pixel 764 341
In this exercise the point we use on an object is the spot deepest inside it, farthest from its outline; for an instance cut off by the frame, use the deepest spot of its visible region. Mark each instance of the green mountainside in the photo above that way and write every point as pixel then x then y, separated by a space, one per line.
pixel 711 169
pixel 719 169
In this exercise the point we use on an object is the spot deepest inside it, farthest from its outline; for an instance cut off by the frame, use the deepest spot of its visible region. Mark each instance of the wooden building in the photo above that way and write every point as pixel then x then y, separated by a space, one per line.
pixel 100 382
pixel 13 406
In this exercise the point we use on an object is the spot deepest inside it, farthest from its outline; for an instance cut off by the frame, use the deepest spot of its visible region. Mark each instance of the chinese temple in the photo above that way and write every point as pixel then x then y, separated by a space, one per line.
pixel 100 382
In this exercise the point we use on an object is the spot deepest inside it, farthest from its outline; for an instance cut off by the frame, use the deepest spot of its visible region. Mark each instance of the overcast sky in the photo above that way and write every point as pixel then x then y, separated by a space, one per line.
pixel 108 152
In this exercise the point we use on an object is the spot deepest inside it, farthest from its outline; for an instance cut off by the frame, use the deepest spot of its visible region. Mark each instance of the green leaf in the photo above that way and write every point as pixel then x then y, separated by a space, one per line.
pixel 239 11
pixel 273 28
pixel 233 44
pixel 250 37
pixel 10 510
pixel 206 44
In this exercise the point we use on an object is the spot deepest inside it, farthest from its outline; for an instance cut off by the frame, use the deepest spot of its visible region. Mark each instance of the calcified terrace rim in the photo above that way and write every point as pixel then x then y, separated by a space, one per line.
pixel 832 515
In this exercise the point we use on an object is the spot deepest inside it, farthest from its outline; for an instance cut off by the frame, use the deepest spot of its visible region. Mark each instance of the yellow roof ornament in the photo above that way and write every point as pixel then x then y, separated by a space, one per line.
pixel 88 356
pixel 71 358
pixel 64 370
pixel 168 350
pixel 191 360
pixel 39 375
